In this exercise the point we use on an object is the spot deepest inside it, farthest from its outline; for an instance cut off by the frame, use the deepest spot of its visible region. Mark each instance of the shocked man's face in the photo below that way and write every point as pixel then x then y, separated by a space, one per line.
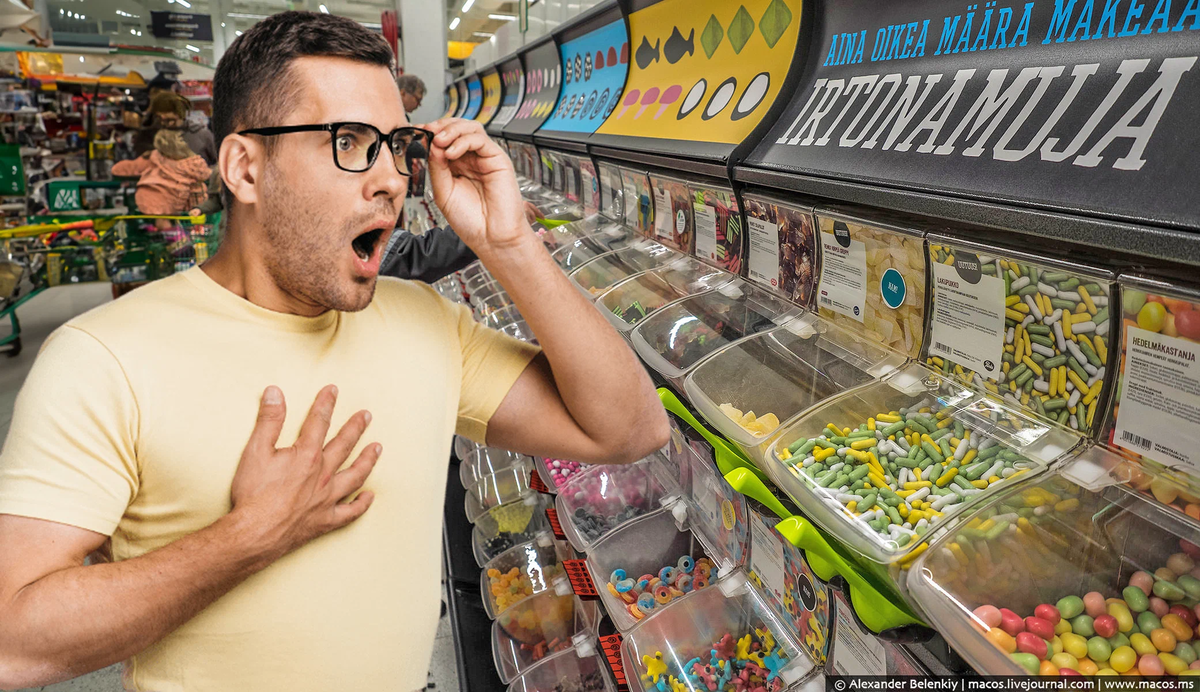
pixel 327 227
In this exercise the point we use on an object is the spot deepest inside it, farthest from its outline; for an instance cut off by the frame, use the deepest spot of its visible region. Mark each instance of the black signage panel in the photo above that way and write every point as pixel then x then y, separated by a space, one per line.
pixel 543 80
pixel 195 27
pixel 1077 105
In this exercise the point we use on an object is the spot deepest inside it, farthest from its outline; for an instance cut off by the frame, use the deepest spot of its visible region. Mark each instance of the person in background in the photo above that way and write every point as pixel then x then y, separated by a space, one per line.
pixel 172 176
pixel 173 112
pixel 412 91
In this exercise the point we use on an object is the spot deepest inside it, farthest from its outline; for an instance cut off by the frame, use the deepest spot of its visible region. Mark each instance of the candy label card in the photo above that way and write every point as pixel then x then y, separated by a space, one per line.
pixel 764 251
pixel 968 316
pixel 1160 400
pixel 854 653
pixel 843 286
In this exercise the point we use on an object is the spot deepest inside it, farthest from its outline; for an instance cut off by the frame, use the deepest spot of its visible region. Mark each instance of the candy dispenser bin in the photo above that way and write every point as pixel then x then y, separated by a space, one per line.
pixel 598 275
pixel 500 528
pixel 574 254
pixel 538 627
pixel 484 461
pixel 631 300
pixel 677 337
pixel 748 389
pixel 498 319
pixel 1056 567
pixel 705 641
pixel 495 489
pixel 603 498
pixel 462 447
pixel 914 450
pixel 555 473
pixel 520 572
pixel 486 293
pixel 565 672
pixel 494 302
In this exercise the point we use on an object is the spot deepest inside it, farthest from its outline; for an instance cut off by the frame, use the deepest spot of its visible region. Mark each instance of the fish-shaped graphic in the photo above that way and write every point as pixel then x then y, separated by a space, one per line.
pixel 630 99
pixel 671 95
pixel 646 53
pixel 676 47
pixel 648 100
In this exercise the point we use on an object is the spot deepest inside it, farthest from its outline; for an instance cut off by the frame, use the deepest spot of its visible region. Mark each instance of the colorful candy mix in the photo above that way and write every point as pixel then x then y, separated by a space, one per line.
pixel 750 663
pixel 651 591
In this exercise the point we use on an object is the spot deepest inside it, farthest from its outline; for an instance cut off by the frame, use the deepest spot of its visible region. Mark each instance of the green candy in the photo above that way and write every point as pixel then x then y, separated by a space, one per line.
pixel 1147 621
pixel 1118 640
pixel 1069 606
pixel 1185 652
pixel 1136 599
pixel 1168 590
pixel 1099 649
pixel 1029 662
pixel 1189 584
pixel 1082 625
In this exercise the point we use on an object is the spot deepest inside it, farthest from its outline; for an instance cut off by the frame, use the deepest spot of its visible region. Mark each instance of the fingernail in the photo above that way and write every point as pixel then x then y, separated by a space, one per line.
pixel 378 449
pixel 273 395
pixel 333 389
pixel 367 417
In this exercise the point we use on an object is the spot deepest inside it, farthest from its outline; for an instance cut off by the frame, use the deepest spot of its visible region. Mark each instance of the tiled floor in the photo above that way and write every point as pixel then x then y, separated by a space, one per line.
pixel 39 317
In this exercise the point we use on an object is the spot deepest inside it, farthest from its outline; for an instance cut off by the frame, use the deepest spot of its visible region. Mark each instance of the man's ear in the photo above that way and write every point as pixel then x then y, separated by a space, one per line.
pixel 241 162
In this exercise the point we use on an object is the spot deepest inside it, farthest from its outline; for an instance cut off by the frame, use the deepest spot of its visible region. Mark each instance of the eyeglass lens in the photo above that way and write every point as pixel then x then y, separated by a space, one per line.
pixel 356 147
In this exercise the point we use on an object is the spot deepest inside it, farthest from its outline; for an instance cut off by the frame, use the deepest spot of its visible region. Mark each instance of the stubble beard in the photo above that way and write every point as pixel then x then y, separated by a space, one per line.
pixel 303 250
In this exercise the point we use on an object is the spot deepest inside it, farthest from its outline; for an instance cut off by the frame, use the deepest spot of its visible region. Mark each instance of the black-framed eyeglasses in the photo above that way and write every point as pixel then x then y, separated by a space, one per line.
pixel 357 145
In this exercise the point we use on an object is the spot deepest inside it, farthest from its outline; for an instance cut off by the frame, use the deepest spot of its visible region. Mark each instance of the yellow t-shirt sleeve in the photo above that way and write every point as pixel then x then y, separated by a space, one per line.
pixel 70 455
pixel 491 363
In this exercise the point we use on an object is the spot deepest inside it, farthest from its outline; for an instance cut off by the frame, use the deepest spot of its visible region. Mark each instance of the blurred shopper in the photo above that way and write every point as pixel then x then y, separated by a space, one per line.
pixel 412 91
pixel 172 177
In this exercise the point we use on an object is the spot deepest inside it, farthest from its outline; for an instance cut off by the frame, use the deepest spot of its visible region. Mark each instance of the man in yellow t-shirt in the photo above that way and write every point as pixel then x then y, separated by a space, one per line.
pixel 253 548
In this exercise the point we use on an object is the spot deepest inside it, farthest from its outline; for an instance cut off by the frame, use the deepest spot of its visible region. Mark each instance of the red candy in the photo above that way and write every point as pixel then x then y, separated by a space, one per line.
pixel 1186 613
pixel 1048 613
pixel 1030 643
pixel 1011 622
pixel 1040 626
pixel 1105 626
pixel 1190 548
pixel 1067 672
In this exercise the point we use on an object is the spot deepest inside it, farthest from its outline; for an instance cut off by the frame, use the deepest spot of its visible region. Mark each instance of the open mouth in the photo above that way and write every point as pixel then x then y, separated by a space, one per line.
pixel 364 245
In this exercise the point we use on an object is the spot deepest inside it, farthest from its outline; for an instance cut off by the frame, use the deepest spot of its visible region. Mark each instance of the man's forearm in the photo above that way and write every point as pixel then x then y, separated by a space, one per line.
pixel 600 381
pixel 81 619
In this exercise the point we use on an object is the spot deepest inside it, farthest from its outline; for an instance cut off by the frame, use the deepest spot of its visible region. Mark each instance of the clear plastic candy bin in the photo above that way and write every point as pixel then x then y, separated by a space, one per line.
pixel 680 335
pixel 565 672
pixel 576 253
pixel 747 390
pixel 494 302
pixel 463 447
pixel 555 473
pixel 495 489
pixel 937 448
pixel 597 276
pixel 604 498
pixel 1108 573
pixel 484 461
pixel 521 571
pixel 631 300
pixel 541 626
pixel 486 293
pixel 710 638
pixel 503 527
pixel 499 319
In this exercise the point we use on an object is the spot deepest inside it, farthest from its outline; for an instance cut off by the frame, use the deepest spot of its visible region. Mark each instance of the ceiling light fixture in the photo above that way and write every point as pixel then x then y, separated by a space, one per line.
pixel 454 23
pixel 133 31
pixel 242 15
pixel 502 17
pixel 185 3
pixel 222 25
pixel 192 48
pixel 238 33
pixel 467 5
pixel 81 58
pixel 482 33
pixel 324 9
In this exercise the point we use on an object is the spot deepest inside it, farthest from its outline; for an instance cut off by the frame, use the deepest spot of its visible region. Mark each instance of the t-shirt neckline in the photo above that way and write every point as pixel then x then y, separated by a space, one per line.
pixel 240 306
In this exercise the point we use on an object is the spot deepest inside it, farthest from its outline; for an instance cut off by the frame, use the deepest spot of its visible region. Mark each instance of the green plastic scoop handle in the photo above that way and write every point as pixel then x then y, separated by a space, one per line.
pixel 728 457
pixel 748 484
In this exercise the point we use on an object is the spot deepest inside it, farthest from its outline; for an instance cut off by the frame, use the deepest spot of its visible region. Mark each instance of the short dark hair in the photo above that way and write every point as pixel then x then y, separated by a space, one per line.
pixel 412 84
pixel 252 81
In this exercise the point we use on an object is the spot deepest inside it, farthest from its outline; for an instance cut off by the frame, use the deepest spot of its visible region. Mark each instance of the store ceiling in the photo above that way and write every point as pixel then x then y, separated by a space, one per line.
pixel 475 25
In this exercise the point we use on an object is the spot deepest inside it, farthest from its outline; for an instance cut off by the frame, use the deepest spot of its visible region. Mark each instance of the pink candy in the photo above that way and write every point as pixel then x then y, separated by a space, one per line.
pixel 561 470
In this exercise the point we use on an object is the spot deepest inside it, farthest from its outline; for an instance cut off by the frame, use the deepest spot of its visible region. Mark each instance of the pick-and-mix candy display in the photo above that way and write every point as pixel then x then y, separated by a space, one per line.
pixel 649 591
pixel 749 663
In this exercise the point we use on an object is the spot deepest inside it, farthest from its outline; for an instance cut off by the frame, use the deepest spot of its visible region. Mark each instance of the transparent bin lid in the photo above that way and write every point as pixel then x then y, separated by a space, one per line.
pixel 638 558
pixel 631 300
pixel 724 636
pixel 982 447
pixel 1149 425
pixel 519 330
pixel 679 335
pixel 603 498
pixel 747 390
pixel 477 282
pixel 472 270
pixel 1053 312
pixel 596 276
pixel 499 488
pixel 1115 571
pixel 857 256
pixel 498 319
pixel 462 447
pixel 483 461
pixel 539 627
pixel 520 572
pixel 500 528
pixel 492 303
pixel 562 672
pixel 574 254
pixel 555 473
pixel 486 293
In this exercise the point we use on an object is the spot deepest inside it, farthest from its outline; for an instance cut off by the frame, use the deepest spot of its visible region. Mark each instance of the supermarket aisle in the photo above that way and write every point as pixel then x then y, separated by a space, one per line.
pixel 39 317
